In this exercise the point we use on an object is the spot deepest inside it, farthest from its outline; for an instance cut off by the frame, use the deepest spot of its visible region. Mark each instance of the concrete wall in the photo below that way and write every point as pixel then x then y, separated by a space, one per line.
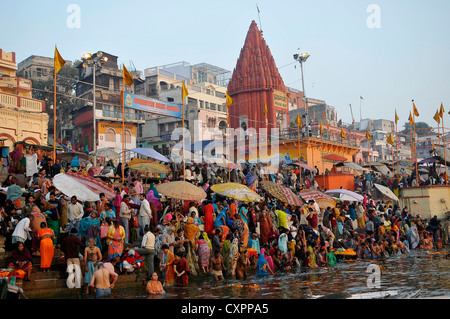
pixel 426 201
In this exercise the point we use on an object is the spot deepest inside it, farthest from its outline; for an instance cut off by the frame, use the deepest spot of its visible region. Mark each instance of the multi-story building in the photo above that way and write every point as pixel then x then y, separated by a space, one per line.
pixel 205 106
pixel 108 106
pixel 22 118
pixel 37 67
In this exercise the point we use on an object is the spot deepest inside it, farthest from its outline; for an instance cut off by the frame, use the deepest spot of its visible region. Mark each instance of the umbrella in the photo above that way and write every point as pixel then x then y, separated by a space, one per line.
pixel 283 193
pixel 322 199
pixel 68 156
pixel 181 190
pixel 384 170
pixel 150 152
pixel 354 166
pixel 147 166
pixel 345 195
pixel 386 192
pixel 84 187
pixel 105 152
pixel 335 158
pixel 236 191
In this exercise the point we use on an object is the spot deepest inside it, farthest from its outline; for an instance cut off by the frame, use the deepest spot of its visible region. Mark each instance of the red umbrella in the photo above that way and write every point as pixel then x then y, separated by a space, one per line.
pixel 335 158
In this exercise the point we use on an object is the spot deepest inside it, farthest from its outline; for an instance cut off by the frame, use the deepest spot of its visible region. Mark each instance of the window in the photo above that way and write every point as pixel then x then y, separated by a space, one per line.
pixel 110 135
pixel 127 134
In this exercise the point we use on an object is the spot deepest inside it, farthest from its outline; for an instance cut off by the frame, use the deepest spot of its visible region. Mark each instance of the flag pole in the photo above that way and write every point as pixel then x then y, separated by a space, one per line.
pixel 396 149
pixel 123 130
pixel 228 147
pixel 54 118
pixel 299 155
pixel 443 141
pixel 415 148
pixel 182 126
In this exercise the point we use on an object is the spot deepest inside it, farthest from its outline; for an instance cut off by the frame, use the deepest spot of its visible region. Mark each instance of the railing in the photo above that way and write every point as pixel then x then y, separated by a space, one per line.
pixel 128 115
pixel 23 103
pixel 13 82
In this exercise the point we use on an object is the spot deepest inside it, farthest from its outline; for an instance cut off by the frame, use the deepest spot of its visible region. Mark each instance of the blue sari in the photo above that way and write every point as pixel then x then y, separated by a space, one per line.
pixel 261 262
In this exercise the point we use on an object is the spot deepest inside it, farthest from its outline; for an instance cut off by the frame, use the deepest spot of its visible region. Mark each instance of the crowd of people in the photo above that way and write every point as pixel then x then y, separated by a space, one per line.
pixel 168 241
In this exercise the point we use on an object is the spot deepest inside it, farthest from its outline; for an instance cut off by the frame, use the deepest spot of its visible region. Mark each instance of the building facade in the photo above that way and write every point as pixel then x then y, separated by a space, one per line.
pixel 22 118
pixel 108 107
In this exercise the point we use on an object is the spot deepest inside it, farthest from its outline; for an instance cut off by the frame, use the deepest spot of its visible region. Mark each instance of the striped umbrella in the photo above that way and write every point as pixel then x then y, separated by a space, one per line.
pixel 283 193
pixel 85 187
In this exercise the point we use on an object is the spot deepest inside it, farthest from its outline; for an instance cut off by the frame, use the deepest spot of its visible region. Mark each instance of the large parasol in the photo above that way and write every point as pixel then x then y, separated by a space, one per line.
pixel 105 152
pixel 335 158
pixel 322 199
pixel 144 166
pixel 68 156
pixel 386 192
pixel 84 187
pixel 283 193
pixel 181 190
pixel 345 195
pixel 236 191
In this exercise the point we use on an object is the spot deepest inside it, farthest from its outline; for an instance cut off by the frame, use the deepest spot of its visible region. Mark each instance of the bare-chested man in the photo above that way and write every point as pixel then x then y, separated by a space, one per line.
pixel 217 266
pixel 92 255
pixel 101 281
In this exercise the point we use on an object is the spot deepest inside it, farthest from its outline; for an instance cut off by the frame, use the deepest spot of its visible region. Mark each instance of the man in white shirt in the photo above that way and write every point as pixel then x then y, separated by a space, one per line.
pixel 147 250
pixel 125 216
pixel 75 212
pixel 145 213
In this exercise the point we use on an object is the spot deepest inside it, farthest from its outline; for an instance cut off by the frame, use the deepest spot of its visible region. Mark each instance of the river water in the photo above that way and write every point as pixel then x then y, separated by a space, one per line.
pixel 430 271
pixel 418 269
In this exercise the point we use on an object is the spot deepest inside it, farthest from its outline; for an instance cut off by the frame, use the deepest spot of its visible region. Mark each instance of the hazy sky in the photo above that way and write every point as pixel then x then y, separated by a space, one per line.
pixel 404 57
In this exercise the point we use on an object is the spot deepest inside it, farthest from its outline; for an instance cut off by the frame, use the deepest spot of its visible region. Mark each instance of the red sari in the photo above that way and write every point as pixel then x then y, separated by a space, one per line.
pixel 265 226
pixel 181 265
pixel 209 219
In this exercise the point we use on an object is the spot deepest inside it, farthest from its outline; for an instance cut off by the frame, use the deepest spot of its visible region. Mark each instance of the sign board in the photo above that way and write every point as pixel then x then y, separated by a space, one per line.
pixel 146 104
pixel 279 99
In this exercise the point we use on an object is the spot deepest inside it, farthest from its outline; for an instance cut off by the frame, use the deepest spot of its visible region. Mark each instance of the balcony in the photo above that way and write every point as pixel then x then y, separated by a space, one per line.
pixel 14 83
pixel 22 103
pixel 129 116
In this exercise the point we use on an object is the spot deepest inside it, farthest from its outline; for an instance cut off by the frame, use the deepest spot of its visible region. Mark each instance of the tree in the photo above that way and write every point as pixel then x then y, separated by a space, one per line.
pixel 422 129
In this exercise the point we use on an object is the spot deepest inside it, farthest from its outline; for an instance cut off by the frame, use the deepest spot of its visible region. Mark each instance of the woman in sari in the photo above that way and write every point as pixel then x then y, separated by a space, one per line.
pixel 88 222
pixel 115 239
pixel 166 266
pixel 208 218
pixel 269 259
pixel 204 253
pixel 265 226
pixel 242 228
pixel 263 267
pixel 226 247
pixel 21 260
pixel 234 255
pixel 35 225
pixel 46 236
pixel 191 230
pixel 181 269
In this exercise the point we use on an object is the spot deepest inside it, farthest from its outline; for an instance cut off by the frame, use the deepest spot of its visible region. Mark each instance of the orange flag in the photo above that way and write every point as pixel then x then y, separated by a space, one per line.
pixel 127 78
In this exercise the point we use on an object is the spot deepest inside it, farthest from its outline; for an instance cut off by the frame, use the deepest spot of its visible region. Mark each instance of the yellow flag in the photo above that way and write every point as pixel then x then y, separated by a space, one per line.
pixel 437 117
pixel 396 117
pixel 229 100
pixel 321 128
pixel 390 139
pixel 416 113
pixel 184 92
pixel 127 78
pixel 59 61
pixel 433 146
pixel 441 111
pixel 410 118
pixel 343 134
pixel 368 135
pixel 298 120
pixel 265 110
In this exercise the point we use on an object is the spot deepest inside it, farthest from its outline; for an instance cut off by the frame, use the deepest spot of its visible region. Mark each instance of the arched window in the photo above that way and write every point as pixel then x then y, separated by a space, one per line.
pixel 127 134
pixel 110 135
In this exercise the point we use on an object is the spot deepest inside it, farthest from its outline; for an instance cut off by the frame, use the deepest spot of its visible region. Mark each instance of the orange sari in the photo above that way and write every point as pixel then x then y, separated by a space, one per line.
pixel 169 272
pixel 46 247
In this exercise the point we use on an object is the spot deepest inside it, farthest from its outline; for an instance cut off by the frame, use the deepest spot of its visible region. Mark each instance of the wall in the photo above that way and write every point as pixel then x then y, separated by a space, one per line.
pixel 426 201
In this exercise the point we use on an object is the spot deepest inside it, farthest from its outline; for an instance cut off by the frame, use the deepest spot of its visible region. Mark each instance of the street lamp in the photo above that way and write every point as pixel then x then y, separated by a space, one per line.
pixel 302 58
pixel 94 61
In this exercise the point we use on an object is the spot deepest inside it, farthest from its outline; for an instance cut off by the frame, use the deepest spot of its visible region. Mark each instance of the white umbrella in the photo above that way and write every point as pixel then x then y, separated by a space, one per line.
pixel 386 192
pixel 105 152
pixel 72 187
pixel 345 195
pixel 354 166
